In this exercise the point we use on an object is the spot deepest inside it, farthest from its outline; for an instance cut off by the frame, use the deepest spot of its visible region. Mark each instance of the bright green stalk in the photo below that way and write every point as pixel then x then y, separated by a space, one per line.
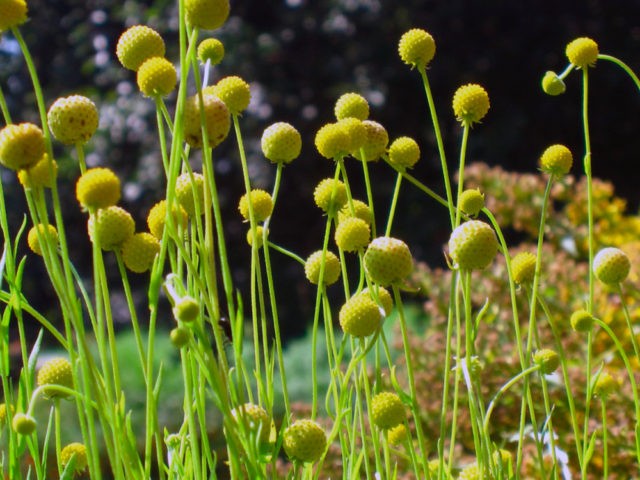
pixel 394 203
pixel 605 440
pixel 622 65
pixel 367 184
pixel 463 154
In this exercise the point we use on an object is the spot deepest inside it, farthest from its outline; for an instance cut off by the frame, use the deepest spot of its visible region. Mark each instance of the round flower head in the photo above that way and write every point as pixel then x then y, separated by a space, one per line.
pixel 12 13
pixel 57 371
pixel 470 472
pixel 313 265
pixel 397 435
pixel 98 188
pixel 179 337
pixel 375 143
pixel 355 130
pixel 556 160
pixel 211 50
pixel 387 410
pixel 187 309
pixel 21 145
pixel 383 299
pixel 605 385
pixel 360 210
pixel 388 261
pixel 78 452
pixel 217 120
pixel 304 441
pixel 473 245
pixel 404 152
pixel 332 141
pixel 189 187
pixel 261 204
pixel 111 226
pixel 206 14
pixel 582 52
pixel 23 424
pixel 352 234
pixel 417 48
pixel 470 103
pixel 611 265
pixel 42 174
pixel 255 419
pixel 330 195
pixel 259 236
pixel 234 92
pixel 523 267
pixel 157 77
pixel 281 143
pixel 504 459
pixel 552 84
pixel 139 252
pixel 73 119
pixel 138 44
pixel 360 316
pixel 352 105
pixel 157 217
pixel 548 360
pixel 49 233
pixel 5 413
pixel 581 321
pixel 471 202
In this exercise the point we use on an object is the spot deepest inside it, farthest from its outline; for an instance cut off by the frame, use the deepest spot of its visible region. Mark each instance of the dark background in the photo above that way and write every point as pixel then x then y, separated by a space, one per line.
pixel 299 57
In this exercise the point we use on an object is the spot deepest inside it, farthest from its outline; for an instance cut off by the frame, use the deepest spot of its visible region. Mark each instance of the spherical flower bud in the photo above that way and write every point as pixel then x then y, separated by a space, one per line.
pixel 397 435
pixel 255 419
pixel 360 316
pixel 383 299
pixel 548 360
pixel 21 146
pixel 473 245
pixel 611 266
pixel 281 143
pixel 139 252
pixel 57 371
pixel 581 321
pixel 42 174
pixel 304 441
pixel 158 214
pixel 138 44
pixel 332 141
pixel 375 143
pixel 234 92
pixel 351 105
pixel 217 120
pixel 360 210
pixel 259 236
pixel 6 413
pixel 470 472
pixel 179 337
pixel 352 234
pixel 187 309
pixel 388 261
pixel 355 130
pixel 605 385
pixel 157 77
pixel 211 50
pixel 582 52
pixel 471 202
pixel 189 188
pixel 49 234
pixel 206 14
pixel 470 103
pixel 417 48
pixel 23 424
pixel 261 205
pixel 556 160
pixel 387 410
pixel 404 152
pixel 12 14
pixel 78 452
pixel 313 266
pixel 330 195
pixel 552 84
pixel 73 119
pixel 98 188
pixel 111 226
pixel 503 459
pixel 523 267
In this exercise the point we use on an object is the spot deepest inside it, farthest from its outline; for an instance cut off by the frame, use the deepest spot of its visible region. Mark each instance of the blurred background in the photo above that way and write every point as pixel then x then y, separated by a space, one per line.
pixel 299 56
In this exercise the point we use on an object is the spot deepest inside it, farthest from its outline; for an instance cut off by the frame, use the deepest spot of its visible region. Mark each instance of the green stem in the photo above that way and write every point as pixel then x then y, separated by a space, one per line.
pixel 463 154
pixel 394 203
pixel 622 65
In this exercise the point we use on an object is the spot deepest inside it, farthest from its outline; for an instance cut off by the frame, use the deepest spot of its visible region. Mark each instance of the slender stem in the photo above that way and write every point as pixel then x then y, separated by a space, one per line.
pixel 622 65
pixel 463 154
pixel 394 203
pixel 605 440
